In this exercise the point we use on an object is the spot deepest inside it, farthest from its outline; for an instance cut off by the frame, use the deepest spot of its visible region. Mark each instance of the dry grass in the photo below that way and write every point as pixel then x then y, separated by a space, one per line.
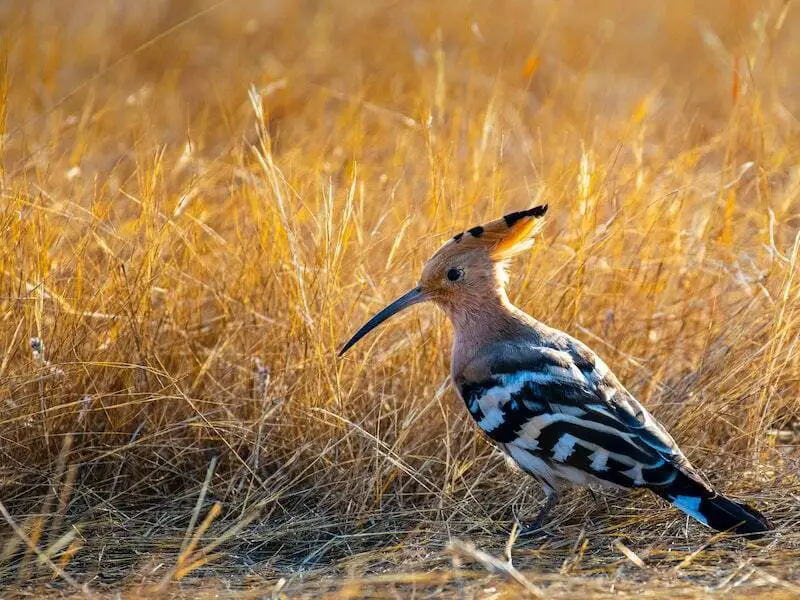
pixel 201 200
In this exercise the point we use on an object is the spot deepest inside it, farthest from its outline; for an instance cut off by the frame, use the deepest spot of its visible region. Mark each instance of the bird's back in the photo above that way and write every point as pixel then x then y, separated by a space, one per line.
pixel 552 403
pixel 561 415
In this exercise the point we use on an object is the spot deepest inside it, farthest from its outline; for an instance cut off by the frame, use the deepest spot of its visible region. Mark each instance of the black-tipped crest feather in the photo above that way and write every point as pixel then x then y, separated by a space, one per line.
pixel 536 211
pixel 504 237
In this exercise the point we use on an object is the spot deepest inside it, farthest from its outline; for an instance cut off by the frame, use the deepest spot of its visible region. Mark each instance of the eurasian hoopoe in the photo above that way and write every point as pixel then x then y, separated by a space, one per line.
pixel 549 402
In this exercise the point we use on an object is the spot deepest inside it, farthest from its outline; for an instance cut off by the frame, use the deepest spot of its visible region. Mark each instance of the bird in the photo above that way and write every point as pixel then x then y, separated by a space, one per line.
pixel 546 400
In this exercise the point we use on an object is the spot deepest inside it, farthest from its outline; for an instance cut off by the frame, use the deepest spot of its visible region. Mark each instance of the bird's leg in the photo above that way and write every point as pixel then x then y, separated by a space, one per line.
pixel 536 524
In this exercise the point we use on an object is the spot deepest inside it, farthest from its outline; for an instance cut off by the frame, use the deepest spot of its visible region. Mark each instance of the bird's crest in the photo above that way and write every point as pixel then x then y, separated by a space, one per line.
pixel 503 237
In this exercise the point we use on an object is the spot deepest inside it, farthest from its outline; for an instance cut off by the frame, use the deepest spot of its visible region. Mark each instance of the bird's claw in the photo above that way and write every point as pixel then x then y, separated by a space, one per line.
pixel 530 529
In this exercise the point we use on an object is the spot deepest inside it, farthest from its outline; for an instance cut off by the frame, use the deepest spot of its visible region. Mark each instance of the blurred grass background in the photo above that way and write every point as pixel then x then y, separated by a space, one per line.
pixel 199 201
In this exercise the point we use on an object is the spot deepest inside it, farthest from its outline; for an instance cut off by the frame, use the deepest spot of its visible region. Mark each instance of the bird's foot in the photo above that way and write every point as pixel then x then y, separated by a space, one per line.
pixel 532 530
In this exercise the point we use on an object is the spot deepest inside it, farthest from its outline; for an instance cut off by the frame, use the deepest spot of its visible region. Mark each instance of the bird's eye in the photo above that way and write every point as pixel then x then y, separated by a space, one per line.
pixel 455 274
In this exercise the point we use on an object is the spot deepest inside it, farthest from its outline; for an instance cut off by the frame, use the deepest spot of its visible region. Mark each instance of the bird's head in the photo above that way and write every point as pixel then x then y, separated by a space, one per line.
pixel 466 270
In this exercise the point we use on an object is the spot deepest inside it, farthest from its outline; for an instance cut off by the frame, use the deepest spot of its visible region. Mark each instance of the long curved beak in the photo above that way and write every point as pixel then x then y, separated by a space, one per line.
pixel 410 298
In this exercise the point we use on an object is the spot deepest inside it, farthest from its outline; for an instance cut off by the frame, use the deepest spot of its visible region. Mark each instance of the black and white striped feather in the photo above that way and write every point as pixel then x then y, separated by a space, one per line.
pixel 562 416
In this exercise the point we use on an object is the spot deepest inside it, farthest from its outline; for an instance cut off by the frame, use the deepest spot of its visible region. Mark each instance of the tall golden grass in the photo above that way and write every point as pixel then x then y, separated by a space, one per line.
pixel 201 200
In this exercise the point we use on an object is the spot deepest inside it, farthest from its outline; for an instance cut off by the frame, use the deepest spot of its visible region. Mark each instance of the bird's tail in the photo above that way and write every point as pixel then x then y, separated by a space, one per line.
pixel 713 509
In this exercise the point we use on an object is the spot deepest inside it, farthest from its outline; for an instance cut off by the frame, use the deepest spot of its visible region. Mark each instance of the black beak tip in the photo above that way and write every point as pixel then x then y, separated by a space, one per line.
pixel 350 343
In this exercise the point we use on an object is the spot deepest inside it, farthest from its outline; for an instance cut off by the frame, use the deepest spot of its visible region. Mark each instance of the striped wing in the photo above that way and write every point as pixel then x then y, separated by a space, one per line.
pixel 562 415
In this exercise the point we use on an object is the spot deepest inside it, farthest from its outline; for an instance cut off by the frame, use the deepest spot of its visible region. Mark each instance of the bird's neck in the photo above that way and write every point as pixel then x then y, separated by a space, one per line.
pixel 485 320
